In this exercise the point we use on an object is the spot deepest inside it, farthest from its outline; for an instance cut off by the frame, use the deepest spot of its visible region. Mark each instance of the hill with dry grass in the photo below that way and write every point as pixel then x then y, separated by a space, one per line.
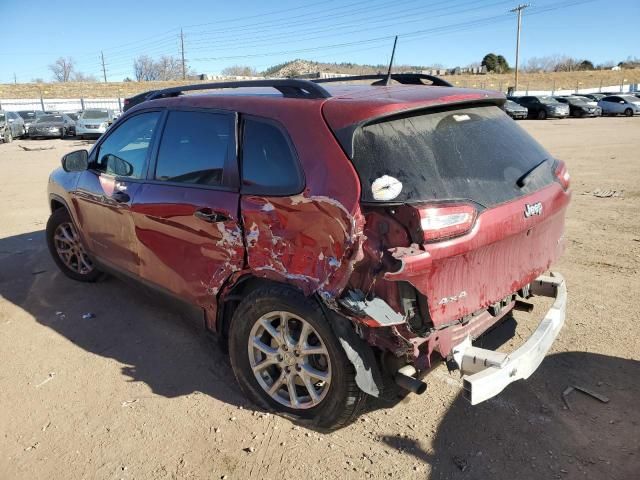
pixel 530 81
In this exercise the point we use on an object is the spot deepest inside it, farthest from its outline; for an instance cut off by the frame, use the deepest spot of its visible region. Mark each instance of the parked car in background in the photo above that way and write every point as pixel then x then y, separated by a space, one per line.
pixel 580 107
pixel 73 115
pixel 55 125
pixel 94 122
pixel 514 110
pixel 542 106
pixel 11 126
pixel 334 265
pixel 635 94
pixel 29 116
pixel 627 105
pixel 594 96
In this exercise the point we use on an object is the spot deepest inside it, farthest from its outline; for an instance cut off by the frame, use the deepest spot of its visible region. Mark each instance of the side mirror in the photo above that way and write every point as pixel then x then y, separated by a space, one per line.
pixel 621 101
pixel 76 161
pixel 11 120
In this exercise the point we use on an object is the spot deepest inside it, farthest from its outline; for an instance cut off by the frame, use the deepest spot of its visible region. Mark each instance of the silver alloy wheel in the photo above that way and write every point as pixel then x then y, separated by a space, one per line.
pixel 289 360
pixel 70 249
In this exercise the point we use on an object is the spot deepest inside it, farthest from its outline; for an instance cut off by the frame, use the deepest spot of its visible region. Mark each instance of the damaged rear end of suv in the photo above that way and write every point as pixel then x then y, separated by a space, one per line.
pixel 464 213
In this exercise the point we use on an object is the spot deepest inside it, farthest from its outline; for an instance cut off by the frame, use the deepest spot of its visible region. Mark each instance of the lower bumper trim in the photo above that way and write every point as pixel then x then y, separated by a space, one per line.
pixel 486 373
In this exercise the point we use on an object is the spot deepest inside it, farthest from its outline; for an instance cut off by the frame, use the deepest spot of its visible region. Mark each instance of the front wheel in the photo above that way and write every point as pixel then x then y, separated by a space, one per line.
pixel 8 136
pixel 542 114
pixel 628 112
pixel 67 250
pixel 286 358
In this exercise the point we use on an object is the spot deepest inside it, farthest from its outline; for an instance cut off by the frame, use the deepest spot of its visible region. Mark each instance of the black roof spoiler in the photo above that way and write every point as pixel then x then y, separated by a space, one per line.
pixel 298 88
pixel 403 78
pixel 292 88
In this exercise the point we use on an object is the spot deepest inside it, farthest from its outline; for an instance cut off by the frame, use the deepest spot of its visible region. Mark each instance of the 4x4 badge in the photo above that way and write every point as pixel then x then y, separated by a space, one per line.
pixel 532 209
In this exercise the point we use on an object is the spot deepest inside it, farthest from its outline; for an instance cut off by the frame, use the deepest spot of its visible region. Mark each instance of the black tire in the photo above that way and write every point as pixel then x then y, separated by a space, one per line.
pixel 343 400
pixel 628 112
pixel 58 217
pixel 542 114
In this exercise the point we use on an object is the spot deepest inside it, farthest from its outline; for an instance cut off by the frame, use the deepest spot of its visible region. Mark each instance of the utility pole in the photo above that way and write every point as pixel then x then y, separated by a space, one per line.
pixel 518 10
pixel 184 68
pixel 15 79
pixel 104 69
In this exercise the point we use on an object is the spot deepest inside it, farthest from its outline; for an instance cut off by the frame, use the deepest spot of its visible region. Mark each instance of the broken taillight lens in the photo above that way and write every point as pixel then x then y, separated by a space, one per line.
pixel 446 221
pixel 562 174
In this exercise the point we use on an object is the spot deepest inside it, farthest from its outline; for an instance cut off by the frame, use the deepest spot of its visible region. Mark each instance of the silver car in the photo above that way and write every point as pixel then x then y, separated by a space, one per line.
pixel 11 126
pixel 628 105
pixel 94 122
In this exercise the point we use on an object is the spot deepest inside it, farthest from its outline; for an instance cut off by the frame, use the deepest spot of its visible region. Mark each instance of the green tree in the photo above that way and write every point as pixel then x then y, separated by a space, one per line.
pixel 495 63
pixel 490 61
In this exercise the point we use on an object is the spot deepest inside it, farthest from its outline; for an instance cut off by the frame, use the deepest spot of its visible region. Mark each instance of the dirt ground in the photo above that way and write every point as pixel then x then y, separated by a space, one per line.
pixel 137 393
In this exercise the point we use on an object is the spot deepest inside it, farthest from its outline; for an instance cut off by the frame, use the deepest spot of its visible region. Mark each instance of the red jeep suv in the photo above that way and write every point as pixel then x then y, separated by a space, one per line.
pixel 341 238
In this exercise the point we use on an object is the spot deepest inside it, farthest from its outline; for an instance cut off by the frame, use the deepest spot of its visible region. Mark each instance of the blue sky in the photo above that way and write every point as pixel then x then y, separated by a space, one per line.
pixel 260 34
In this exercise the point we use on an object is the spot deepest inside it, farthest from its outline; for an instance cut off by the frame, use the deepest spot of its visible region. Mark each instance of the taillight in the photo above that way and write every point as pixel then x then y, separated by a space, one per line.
pixel 563 174
pixel 446 221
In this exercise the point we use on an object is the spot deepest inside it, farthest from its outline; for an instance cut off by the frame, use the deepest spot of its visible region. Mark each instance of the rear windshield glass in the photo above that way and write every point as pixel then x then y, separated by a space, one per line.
pixel 475 153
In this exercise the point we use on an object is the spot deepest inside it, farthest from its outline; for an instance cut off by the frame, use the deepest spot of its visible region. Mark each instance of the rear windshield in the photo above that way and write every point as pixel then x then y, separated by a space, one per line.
pixel 475 153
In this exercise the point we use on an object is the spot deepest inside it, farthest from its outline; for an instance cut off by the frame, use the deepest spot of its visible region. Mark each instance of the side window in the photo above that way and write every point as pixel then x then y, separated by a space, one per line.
pixel 194 147
pixel 269 167
pixel 124 151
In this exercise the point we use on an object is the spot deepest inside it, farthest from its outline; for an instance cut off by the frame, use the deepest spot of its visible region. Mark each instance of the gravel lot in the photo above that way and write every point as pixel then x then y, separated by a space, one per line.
pixel 136 393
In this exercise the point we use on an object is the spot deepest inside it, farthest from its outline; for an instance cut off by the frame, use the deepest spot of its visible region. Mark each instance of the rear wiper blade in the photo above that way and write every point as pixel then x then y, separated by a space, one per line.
pixel 522 181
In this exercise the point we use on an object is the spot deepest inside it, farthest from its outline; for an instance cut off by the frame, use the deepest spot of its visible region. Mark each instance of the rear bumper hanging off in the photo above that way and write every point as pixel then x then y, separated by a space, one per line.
pixel 486 373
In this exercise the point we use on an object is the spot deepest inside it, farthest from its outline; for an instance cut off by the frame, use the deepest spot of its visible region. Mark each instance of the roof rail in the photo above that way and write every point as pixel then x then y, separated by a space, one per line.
pixel 292 88
pixel 403 78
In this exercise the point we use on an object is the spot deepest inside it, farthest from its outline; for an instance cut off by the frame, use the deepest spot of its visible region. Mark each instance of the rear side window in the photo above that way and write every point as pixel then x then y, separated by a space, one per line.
pixel 269 166
pixel 124 151
pixel 475 153
pixel 195 147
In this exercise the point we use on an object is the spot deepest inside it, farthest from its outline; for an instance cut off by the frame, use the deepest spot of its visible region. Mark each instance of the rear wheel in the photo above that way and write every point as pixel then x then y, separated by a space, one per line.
pixel 542 114
pixel 67 250
pixel 286 357
pixel 628 112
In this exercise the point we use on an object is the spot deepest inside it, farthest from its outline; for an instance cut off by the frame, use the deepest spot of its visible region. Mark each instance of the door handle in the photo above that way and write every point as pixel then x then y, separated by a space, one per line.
pixel 210 216
pixel 121 197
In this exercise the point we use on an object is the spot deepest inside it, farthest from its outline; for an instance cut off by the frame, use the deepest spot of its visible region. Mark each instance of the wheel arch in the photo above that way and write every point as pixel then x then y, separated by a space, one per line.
pixel 360 354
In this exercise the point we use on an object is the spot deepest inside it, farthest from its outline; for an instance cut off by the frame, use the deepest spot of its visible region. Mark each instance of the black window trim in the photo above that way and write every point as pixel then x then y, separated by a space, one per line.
pixel 230 176
pixel 302 181
pixel 111 130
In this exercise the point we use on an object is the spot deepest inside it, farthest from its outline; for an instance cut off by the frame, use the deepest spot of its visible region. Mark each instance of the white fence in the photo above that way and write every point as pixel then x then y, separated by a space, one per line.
pixel 60 104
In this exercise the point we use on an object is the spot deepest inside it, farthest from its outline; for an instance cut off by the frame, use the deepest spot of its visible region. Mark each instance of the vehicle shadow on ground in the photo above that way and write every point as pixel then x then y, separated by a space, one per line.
pixel 135 327
pixel 528 433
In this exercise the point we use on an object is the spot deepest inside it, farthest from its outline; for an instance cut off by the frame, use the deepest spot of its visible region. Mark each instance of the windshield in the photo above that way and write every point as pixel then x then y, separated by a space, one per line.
pixel 95 114
pixel 630 98
pixel 547 100
pixel 49 118
pixel 512 104
pixel 27 115
pixel 73 116
pixel 2 117
pixel 476 153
